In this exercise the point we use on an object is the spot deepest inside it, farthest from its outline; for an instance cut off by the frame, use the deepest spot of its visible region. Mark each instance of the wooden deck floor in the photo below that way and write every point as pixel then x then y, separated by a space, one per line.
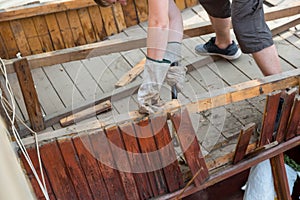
pixel 75 83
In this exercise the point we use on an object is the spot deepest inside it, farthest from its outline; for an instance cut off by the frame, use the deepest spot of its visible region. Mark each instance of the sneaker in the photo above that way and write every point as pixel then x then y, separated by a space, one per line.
pixel 230 53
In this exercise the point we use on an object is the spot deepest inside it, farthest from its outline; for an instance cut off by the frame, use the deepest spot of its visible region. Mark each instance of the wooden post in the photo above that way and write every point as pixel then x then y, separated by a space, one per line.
pixel 280 177
pixel 29 94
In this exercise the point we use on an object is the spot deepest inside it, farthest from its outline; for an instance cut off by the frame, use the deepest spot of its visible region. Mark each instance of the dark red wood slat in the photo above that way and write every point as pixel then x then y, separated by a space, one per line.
pixel 294 119
pixel 74 168
pixel 136 161
pixel 122 163
pixel 34 159
pixel 269 118
pixel 286 111
pixel 107 166
pixel 166 150
pixel 190 146
pixel 151 156
pixel 58 175
pixel 280 178
pixel 244 139
pixel 90 167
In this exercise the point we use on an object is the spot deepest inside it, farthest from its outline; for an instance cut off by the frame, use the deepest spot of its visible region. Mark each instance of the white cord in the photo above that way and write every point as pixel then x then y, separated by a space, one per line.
pixel 12 108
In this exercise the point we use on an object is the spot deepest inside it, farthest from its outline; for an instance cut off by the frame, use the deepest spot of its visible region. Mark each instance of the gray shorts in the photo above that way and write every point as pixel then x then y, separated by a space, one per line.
pixel 248 21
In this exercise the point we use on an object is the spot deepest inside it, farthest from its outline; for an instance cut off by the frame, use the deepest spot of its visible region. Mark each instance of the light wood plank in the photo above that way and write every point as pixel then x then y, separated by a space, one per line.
pixel 76 27
pixel 20 37
pixel 43 33
pixel 65 29
pixel 87 25
pixel 97 22
pixel 54 30
pixel 31 35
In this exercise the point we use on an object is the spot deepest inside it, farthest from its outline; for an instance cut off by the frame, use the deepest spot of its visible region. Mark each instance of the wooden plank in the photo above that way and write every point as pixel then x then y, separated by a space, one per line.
pixel 42 9
pixel 280 178
pixel 152 161
pixel 122 163
pixel 8 39
pixel 76 28
pixel 204 101
pixel 74 169
pixel 167 153
pixel 20 38
pixel 131 74
pixel 90 167
pixel 56 170
pixel 136 162
pixel 34 183
pixel 285 26
pixel 87 25
pixel 54 31
pixel 189 145
pixel 85 114
pixel 109 21
pixel 285 113
pixel 130 13
pixel 43 33
pixel 119 16
pixel 269 118
pixel 235 169
pixel 31 35
pixel 106 163
pixel 243 141
pixel 29 93
pixel 142 10
pixel 3 50
pixel 294 119
pixel 97 22
pixel 65 29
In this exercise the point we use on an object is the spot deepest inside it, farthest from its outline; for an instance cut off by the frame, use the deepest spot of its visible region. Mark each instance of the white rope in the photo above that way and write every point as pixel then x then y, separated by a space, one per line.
pixel 11 107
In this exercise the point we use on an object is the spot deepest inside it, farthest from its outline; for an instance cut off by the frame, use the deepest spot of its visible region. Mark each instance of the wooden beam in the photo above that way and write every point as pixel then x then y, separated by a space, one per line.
pixel 117 45
pixel 280 178
pixel 285 26
pixel 289 97
pixel 190 146
pixel 29 94
pixel 243 141
pixel 232 170
pixel 269 118
pixel 84 114
pixel 205 101
pixel 294 119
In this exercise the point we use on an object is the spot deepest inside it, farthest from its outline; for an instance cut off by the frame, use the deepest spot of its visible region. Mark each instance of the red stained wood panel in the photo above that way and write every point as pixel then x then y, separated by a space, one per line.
pixel 57 172
pixel 294 119
pixel 190 146
pixel 136 161
pixel 90 167
pixel 174 178
pixel 107 166
pixel 74 169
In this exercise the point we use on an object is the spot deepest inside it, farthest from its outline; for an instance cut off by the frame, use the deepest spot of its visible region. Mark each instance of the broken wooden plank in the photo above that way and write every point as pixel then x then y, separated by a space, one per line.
pixel 131 74
pixel 117 45
pixel 269 118
pixel 232 170
pixel 280 178
pixel 190 146
pixel 166 150
pixel 122 164
pixel 294 119
pixel 85 114
pixel 285 113
pixel 90 167
pixel 243 141
pixel 74 168
pixel 136 162
pixel 151 157
pixel 29 94
pixel 204 101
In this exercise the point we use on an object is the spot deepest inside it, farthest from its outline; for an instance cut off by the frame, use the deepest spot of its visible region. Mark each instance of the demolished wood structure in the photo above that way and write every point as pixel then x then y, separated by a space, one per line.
pixel 133 156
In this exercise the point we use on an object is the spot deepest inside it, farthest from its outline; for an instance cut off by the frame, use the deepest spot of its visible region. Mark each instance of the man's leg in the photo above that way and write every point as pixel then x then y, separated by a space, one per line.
pixel 222 30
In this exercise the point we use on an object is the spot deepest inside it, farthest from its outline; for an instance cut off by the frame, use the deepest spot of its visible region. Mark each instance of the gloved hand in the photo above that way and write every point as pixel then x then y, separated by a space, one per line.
pixel 153 78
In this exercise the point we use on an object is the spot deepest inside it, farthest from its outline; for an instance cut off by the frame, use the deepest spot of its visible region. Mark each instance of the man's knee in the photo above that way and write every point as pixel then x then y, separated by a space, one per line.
pixel 217 8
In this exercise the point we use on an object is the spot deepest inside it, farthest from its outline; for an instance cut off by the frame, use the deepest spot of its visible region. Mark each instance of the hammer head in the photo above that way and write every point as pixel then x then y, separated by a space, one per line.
pixel 102 3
